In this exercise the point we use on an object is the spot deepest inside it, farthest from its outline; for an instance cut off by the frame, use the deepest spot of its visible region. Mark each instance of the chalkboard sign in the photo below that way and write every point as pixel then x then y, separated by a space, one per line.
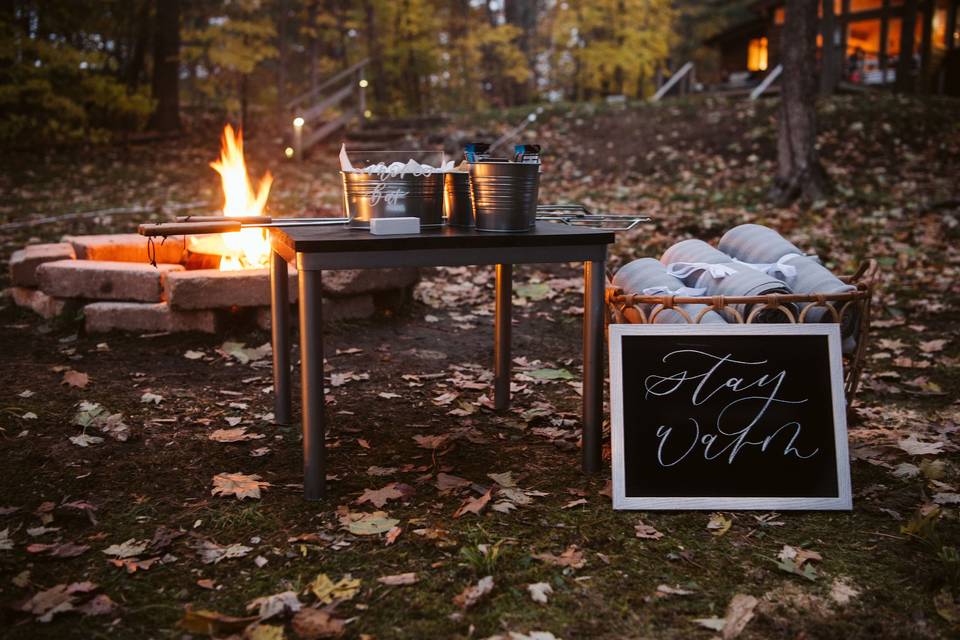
pixel 728 417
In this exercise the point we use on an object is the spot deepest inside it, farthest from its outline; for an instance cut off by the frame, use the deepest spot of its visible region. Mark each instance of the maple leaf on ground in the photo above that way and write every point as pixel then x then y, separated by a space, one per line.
pixel 932 346
pixel 842 591
pixel 539 591
pixel 474 505
pixel 57 599
pixel 313 624
pixel 447 482
pixel 212 553
pixel 237 484
pixel 276 604
pixel 571 557
pixel 647 532
pixel 368 524
pixel 392 536
pixel 132 565
pixel 238 434
pixel 399 579
pixel 380 497
pixel 430 442
pixel 472 594
pixel 59 549
pixel 916 448
pixel 212 623
pixel 75 379
pixel 328 591
pixel 127 549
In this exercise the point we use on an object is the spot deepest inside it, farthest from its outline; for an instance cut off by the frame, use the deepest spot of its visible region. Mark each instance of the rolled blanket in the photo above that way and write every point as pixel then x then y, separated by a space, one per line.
pixel 764 248
pixel 700 265
pixel 647 276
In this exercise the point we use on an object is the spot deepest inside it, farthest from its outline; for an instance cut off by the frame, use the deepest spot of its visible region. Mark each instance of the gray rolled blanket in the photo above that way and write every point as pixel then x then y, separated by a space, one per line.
pixel 647 276
pixel 767 250
pixel 700 265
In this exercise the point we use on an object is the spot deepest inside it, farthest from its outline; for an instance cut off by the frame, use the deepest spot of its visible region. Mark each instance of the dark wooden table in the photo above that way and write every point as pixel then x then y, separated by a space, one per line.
pixel 314 249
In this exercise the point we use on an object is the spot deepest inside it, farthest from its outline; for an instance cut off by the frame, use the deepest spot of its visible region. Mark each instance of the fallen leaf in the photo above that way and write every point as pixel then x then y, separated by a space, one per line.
pixel 380 497
pixel 193 355
pixel 132 565
pixel 59 549
pixel 212 553
pixel 327 591
pixel 550 374
pixel 646 531
pixel 719 524
pixel 575 503
pixel 932 346
pixel 571 557
pixel 312 624
pixel 212 623
pixel 100 605
pixel 84 440
pixel 237 484
pixel 539 591
pixel 664 590
pixel 399 579
pixel 368 524
pixel 739 613
pixel 276 604
pixel 6 544
pixel 75 379
pixel 473 505
pixel 148 397
pixel 504 479
pixel 127 549
pixel 392 536
pixel 916 448
pixel 447 482
pixel 264 632
pixel 430 442
pixel 472 594
pixel 234 435
pixel 842 592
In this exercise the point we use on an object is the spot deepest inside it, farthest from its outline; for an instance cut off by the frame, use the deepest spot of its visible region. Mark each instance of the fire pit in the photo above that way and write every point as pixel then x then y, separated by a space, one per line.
pixel 198 281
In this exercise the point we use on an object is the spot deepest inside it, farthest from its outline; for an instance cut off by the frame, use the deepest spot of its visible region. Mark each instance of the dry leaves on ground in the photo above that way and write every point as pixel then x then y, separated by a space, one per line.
pixel 75 379
pixel 237 484
pixel 646 531
pixel 739 613
pixel 380 497
pixel 212 553
pixel 313 624
pixel 472 594
pixel 238 434
pixel 572 557
pixel 367 524
pixel 474 505
pixel 399 579
pixel 328 591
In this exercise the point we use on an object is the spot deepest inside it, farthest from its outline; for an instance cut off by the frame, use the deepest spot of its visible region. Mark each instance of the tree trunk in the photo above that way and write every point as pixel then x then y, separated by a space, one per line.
pixel 166 67
pixel 523 14
pixel 799 174
pixel 905 82
pixel 134 68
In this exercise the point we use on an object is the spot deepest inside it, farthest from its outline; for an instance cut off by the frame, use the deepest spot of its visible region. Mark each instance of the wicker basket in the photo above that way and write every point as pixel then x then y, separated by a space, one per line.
pixel 622 309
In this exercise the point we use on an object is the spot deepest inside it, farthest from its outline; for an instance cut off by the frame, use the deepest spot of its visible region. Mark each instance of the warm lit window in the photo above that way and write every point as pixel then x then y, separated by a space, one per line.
pixel 757 55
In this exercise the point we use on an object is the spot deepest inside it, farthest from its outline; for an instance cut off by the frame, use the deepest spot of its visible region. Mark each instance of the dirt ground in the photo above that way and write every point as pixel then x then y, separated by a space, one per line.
pixel 407 408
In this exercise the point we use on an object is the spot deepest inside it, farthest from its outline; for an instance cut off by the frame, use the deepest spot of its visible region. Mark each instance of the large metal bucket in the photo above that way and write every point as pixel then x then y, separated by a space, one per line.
pixel 367 196
pixel 458 201
pixel 505 195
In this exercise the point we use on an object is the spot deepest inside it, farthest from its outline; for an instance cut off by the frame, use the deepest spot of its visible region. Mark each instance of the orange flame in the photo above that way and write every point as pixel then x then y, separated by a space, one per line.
pixel 249 248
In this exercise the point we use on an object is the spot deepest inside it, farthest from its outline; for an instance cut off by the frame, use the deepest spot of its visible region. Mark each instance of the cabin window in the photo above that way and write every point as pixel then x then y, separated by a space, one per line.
pixel 757 55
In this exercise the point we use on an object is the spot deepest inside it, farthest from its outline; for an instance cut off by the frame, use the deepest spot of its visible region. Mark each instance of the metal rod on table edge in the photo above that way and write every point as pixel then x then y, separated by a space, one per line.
pixel 227 226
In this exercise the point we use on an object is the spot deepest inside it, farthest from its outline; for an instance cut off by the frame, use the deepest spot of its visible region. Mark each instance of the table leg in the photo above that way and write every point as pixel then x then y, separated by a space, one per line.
pixel 593 301
pixel 280 325
pixel 501 337
pixel 311 382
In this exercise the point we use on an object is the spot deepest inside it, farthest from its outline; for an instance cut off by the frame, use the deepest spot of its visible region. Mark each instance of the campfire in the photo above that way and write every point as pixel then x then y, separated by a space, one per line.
pixel 249 248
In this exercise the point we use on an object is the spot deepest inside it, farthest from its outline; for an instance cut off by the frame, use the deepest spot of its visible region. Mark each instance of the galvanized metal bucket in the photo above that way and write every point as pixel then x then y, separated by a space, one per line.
pixel 368 195
pixel 505 195
pixel 458 200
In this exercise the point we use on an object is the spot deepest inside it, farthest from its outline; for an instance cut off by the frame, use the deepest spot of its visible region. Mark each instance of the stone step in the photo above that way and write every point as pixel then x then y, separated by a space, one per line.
pixel 127 247
pixel 214 289
pixel 24 263
pixel 135 316
pixel 104 280
pixel 39 302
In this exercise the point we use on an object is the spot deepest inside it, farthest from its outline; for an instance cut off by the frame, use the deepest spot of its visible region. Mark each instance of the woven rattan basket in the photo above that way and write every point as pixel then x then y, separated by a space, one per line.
pixel 622 309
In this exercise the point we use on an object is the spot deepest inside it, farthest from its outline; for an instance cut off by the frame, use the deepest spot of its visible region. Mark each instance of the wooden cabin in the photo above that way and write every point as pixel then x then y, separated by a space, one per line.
pixel 864 40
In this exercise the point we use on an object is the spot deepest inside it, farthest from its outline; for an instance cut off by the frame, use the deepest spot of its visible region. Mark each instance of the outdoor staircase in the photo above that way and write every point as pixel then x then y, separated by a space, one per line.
pixel 338 106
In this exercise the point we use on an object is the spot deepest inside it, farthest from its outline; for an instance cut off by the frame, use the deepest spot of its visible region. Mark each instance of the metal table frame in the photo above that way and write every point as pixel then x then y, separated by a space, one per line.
pixel 310 265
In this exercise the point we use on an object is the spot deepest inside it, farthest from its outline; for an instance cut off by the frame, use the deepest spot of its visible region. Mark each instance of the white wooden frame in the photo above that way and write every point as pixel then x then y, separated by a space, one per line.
pixel 843 501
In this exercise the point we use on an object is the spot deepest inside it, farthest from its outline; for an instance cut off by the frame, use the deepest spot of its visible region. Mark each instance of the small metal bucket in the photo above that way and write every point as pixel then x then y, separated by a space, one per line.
pixel 458 200
pixel 368 195
pixel 505 195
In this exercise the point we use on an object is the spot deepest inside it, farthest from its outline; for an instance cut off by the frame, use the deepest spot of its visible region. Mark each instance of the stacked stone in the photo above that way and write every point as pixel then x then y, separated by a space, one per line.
pixel 110 277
